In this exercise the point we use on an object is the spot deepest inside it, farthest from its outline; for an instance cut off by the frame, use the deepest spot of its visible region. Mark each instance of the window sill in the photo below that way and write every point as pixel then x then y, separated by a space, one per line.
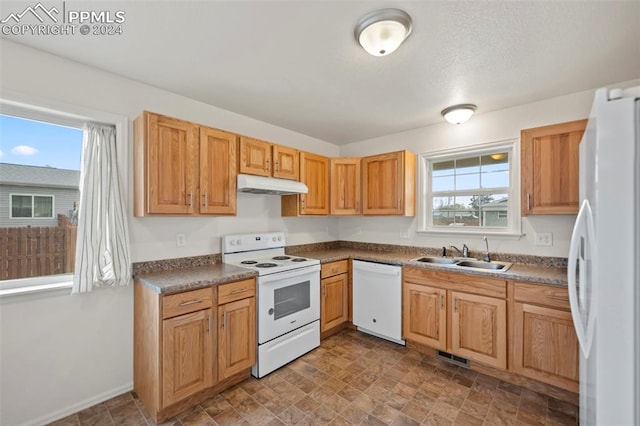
pixel 480 232
pixel 62 287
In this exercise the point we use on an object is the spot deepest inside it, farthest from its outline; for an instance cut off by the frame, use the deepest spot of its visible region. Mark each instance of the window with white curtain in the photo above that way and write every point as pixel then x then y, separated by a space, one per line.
pixel 470 190
pixel 44 149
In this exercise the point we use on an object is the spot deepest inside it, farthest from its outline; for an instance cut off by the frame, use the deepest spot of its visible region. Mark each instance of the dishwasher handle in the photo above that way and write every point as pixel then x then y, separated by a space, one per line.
pixel 377 268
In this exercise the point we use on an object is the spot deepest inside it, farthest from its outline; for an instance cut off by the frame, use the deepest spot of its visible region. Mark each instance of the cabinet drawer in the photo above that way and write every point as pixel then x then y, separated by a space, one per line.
pixel 236 291
pixel 189 301
pixel 334 268
pixel 542 294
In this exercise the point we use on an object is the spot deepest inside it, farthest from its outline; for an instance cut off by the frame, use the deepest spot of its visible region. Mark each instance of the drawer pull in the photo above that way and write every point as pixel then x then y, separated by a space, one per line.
pixel 240 290
pixel 191 302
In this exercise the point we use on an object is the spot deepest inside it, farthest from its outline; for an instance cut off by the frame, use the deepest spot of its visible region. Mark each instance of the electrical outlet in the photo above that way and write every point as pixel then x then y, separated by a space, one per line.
pixel 404 235
pixel 543 239
pixel 181 240
pixel 358 231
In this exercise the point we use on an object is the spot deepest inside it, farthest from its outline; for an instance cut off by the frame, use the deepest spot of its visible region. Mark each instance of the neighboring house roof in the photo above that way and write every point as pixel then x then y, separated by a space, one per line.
pixel 497 205
pixel 48 177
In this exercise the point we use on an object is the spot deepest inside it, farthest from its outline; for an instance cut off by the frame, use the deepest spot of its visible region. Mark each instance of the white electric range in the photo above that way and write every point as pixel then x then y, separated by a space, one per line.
pixel 288 297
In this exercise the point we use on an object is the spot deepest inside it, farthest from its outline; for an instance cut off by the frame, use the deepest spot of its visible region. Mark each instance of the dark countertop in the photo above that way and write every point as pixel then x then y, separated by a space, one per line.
pixel 518 272
pixel 178 280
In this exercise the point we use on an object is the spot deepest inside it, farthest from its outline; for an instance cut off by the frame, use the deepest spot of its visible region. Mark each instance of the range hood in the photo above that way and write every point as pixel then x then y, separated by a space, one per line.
pixel 268 185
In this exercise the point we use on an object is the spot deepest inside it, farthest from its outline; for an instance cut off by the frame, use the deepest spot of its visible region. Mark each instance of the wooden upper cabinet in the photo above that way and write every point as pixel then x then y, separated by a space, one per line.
pixel 217 171
pixel 286 164
pixel 344 180
pixel 255 156
pixel 182 168
pixel 165 171
pixel 550 171
pixel 314 172
pixel 266 159
pixel 388 184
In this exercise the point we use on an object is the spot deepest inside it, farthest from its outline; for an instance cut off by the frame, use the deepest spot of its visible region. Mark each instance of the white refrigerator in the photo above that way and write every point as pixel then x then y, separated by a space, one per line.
pixel 604 259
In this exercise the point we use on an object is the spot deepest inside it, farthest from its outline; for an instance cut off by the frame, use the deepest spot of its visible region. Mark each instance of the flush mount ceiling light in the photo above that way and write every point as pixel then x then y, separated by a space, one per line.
pixel 458 114
pixel 381 32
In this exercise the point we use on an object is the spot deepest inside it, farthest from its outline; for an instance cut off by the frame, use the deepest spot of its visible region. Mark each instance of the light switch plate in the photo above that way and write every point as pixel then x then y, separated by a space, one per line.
pixel 181 240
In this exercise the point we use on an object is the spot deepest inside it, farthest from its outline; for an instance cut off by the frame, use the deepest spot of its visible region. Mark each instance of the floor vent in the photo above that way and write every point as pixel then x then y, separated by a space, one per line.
pixel 453 359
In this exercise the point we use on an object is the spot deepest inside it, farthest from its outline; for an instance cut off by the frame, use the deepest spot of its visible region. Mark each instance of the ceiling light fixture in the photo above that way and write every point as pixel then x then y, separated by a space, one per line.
pixel 458 114
pixel 382 31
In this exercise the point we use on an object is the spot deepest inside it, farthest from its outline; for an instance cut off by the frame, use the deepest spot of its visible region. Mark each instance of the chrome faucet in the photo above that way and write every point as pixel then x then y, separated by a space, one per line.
pixel 487 257
pixel 464 252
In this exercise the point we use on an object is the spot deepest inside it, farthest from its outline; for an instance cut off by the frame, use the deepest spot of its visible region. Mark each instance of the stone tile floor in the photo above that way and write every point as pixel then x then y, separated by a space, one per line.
pixel 355 379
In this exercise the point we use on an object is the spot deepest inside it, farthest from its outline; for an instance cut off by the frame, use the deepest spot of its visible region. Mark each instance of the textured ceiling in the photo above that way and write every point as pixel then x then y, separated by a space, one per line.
pixel 297 65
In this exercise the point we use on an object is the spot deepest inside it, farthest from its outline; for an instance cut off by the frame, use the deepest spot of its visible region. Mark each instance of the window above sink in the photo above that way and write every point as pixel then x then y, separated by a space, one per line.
pixel 470 191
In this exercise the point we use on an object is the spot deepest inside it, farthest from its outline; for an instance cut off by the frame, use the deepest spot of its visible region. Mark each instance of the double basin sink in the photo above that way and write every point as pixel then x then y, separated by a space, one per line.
pixel 464 263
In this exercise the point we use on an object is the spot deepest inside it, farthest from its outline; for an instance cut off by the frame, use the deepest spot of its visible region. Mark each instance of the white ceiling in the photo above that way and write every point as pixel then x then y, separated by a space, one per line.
pixel 297 65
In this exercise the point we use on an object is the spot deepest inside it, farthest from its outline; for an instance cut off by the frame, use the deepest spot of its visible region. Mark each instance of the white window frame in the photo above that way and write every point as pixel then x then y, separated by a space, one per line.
pixel 425 197
pixel 53 207
pixel 32 107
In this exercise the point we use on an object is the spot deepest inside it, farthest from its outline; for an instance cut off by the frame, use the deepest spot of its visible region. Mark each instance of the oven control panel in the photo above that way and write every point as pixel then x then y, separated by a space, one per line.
pixel 249 242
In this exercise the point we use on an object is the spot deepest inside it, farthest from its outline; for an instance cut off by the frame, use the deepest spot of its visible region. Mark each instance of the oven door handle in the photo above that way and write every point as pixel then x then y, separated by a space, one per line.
pixel 309 270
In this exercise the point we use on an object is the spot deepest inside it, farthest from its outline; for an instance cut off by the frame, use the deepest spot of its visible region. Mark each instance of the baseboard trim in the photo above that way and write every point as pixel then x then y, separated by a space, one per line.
pixel 79 406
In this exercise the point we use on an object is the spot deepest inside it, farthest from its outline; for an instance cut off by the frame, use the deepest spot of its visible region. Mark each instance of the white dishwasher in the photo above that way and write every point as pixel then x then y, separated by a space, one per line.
pixel 377 299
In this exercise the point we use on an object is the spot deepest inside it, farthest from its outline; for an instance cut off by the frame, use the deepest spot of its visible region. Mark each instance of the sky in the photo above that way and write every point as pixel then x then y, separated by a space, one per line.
pixel 39 144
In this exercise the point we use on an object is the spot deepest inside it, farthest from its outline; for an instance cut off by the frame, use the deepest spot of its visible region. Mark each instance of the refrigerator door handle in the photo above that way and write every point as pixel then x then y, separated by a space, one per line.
pixel 582 311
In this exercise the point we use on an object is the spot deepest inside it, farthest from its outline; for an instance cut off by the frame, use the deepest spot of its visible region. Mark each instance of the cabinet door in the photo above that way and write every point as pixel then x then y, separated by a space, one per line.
pixel 545 345
pixel 425 315
pixel 285 162
pixel 217 171
pixel 314 172
pixel 187 355
pixel 479 328
pixel 345 186
pixel 236 337
pixel 255 156
pixel 388 184
pixel 550 168
pixel 333 303
pixel 171 166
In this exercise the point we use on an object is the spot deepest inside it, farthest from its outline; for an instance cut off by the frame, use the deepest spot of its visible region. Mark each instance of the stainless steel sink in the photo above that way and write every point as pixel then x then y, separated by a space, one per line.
pixel 479 264
pixel 438 260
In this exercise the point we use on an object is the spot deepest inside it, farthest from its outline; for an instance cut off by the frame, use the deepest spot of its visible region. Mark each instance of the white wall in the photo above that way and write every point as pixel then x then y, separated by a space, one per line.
pixel 61 353
pixel 482 128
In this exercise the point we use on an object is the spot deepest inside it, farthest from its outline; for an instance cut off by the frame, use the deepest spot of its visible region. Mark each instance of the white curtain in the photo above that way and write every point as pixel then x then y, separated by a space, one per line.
pixel 102 251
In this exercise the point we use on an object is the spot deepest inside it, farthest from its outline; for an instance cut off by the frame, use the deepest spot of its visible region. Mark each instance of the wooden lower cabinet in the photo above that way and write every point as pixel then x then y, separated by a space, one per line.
pixel 479 328
pixel 187 355
pixel 236 336
pixel 425 315
pixel 188 346
pixel 461 314
pixel 545 346
pixel 334 295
